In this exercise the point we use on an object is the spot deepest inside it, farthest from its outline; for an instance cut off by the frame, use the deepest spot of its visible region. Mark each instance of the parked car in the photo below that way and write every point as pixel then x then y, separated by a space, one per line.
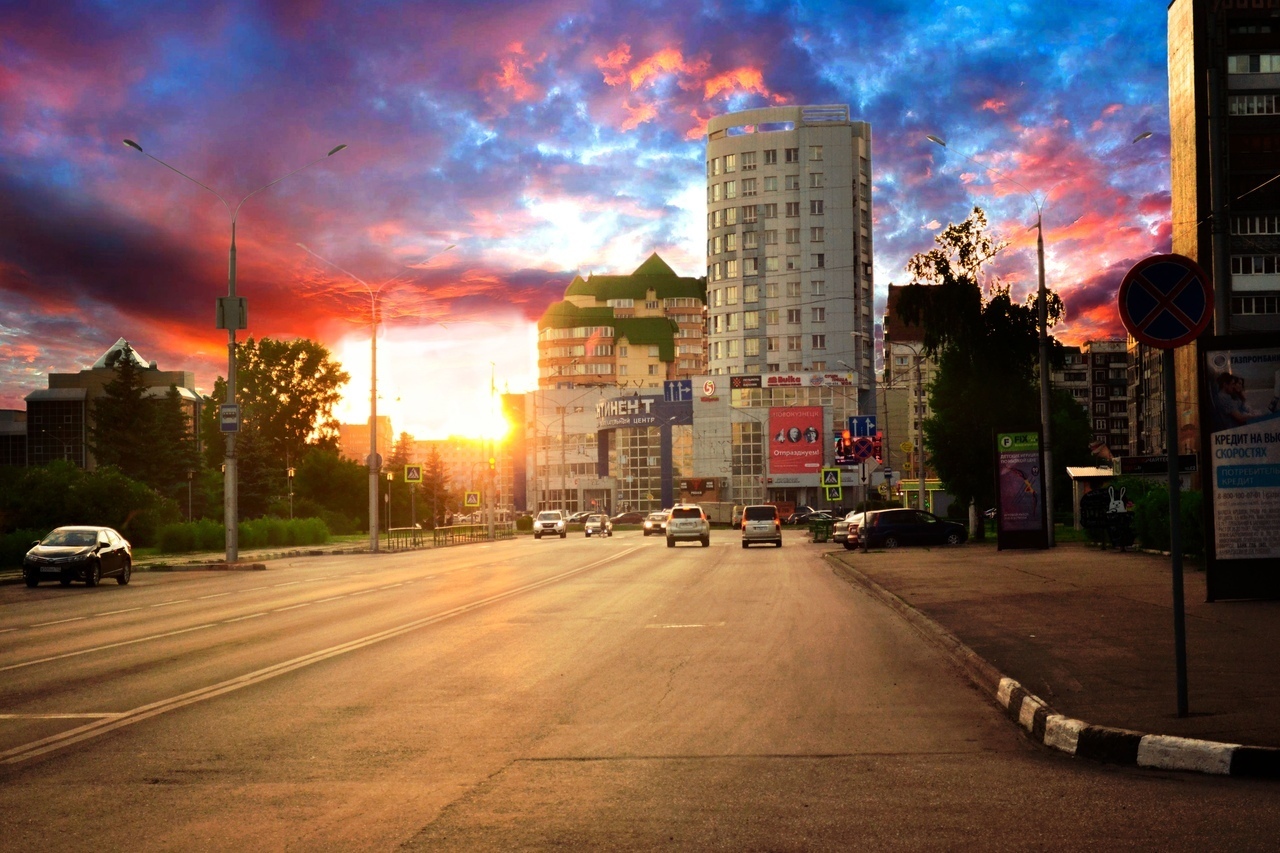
pixel 598 524
pixel 656 523
pixel 760 523
pixel 633 517
pixel 86 554
pixel 551 523
pixel 889 528
pixel 801 515
pixel 687 522
pixel 845 531
pixel 579 517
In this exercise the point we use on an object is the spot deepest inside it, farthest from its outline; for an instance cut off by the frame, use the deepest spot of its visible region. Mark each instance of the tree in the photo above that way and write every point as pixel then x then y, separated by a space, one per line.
pixel 435 487
pixel 399 490
pixel 339 485
pixel 987 349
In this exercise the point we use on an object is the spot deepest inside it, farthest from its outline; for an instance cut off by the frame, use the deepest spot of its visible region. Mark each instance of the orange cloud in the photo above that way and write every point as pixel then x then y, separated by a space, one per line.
pixel 666 61
pixel 994 105
pixel 638 115
pixel 737 80
pixel 614 64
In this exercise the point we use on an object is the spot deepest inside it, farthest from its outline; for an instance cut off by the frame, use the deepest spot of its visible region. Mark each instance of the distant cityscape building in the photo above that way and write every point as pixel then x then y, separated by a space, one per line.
pixel 1097 374
pixel 58 418
pixel 353 440
pixel 904 385
pixel 634 330
pixel 789 244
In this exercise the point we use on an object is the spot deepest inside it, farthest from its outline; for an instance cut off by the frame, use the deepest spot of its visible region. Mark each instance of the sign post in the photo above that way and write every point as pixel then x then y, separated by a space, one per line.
pixel 1166 301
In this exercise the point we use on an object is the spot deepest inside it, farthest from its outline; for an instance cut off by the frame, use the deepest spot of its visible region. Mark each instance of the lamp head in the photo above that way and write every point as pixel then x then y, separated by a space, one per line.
pixel 933 138
pixel 1146 134
pixel 135 146
pixel 330 154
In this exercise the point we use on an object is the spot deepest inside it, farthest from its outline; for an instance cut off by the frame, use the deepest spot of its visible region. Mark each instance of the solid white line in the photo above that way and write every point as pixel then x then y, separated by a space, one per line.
pixel 215 595
pixel 59 622
pixel 104 648
pixel 175 601
pixel 144 712
pixel 117 612
pixel 335 598
pixel 293 607
pixel 361 592
pixel 7 630
pixel 288 583
pixel 242 618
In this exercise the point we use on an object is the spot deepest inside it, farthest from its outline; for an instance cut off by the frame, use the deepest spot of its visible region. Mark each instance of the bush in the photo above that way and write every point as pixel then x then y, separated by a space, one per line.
pixel 524 524
pixel 206 535
pixel 1151 519
pixel 14 546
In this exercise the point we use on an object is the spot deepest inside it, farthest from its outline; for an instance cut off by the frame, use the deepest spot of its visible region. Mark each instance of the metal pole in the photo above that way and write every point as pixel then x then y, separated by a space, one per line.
pixel 230 482
pixel 373 425
pixel 1175 529
pixel 918 414
pixel 1045 415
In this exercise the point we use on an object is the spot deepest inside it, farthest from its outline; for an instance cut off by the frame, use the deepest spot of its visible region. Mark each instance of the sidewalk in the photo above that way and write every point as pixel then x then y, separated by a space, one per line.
pixel 1089 635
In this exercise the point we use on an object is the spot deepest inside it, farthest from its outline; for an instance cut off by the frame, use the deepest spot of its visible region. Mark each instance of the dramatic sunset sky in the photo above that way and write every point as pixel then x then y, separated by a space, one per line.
pixel 541 138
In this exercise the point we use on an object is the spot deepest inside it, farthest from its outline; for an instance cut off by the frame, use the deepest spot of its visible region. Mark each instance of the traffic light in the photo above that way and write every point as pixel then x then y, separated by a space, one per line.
pixel 876 446
pixel 846 443
pixel 493 464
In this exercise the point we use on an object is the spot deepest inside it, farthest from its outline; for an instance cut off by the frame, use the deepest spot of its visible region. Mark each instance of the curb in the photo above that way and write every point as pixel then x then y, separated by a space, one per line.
pixel 1073 737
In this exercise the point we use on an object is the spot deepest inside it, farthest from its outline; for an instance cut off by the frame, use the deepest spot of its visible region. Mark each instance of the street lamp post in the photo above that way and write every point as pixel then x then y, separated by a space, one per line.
pixel 374 462
pixel 291 472
pixel 1042 299
pixel 232 317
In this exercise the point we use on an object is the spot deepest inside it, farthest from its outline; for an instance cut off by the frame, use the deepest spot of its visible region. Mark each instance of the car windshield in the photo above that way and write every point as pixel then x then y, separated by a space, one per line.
pixel 548 516
pixel 595 519
pixel 657 516
pixel 71 538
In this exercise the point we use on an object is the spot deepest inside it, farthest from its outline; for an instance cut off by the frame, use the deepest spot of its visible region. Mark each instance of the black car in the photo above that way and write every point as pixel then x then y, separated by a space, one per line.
pixel 86 554
pixel 801 515
pixel 889 528
pixel 629 518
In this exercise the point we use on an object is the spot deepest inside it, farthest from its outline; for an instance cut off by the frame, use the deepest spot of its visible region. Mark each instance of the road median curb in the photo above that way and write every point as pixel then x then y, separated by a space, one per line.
pixel 1060 733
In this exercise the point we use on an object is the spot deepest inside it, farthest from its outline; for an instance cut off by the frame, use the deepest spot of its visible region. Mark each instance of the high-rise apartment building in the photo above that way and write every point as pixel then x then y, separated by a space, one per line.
pixel 635 330
pixel 789 286
pixel 1224 124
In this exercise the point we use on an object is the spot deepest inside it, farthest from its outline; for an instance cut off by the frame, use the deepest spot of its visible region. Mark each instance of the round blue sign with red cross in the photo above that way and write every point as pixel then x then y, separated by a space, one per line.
pixel 1166 301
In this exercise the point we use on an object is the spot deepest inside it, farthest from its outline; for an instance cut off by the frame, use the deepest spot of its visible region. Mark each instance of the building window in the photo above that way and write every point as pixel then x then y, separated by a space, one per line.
pixel 716 189
pixel 1254 63
pixel 749 213
pixel 793 209
pixel 791 182
pixel 793 316
pixel 1253 264
pixel 771 263
pixel 748 161
pixel 815 235
pixel 733 348
pixel 731 216
pixel 1252 105
pixel 793 235
pixel 793 155
pixel 794 343
pixel 819 342
pixel 731 162
pixel 771 289
pixel 748 187
pixel 793 262
pixel 751 347
pixel 793 288
pixel 817 288
pixel 815 180
pixel 716 296
pixel 750 266
pixel 622 352
pixel 771 184
pixel 653 369
pixel 815 207
pixel 819 315
pixel 815 153
pixel 751 293
pixel 751 319
pixel 716 247
pixel 731 269
pixel 713 167
pixel 715 219
pixel 770 237
pixel 731 295
pixel 730 189
pixel 771 344
pixel 771 157
pixel 749 240
pixel 771 317
pixel 731 323
pixel 651 306
pixel 819 261
pixel 770 211
pixel 731 241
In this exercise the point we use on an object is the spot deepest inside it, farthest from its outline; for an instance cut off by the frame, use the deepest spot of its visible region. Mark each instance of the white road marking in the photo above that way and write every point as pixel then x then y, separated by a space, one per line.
pixel 293 607
pixel 242 618
pixel 104 648
pixel 215 595
pixel 167 603
pixel 287 583
pixel 116 612
pixel 334 598
pixel 144 712
pixel 61 716
pixel 59 622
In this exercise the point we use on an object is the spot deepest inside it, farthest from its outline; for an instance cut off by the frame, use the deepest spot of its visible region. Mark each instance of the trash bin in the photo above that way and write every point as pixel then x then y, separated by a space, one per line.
pixel 1120 529
pixel 821 528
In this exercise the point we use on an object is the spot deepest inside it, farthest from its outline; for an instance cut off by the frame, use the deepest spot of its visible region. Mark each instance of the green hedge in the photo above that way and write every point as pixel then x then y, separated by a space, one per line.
pixel 1151 520
pixel 15 545
pixel 524 524
pixel 205 535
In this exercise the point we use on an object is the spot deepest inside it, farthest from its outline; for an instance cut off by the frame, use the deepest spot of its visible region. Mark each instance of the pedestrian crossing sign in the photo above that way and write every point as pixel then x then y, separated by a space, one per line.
pixel 413 473
pixel 833 493
pixel 472 499
pixel 831 477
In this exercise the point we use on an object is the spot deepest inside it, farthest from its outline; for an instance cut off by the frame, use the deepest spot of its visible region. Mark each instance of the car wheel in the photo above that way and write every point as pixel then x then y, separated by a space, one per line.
pixel 706 541
pixel 777 543
pixel 671 543
pixel 954 539
pixel 890 542
pixel 92 574
pixel 126 572
pixel 32 579
pixel 849 547
pixel 65 581
pixel 537 536
pixel 564 534
pixel 744 543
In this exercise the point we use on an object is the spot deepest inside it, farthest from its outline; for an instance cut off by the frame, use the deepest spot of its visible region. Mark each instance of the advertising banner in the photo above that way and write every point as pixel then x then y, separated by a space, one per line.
pixel 1020 521
pixel 1241 412
pixel 795 440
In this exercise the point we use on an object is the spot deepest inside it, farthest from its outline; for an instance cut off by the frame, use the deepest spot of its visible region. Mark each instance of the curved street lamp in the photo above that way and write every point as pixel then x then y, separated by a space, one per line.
pixel 374 462
pixel 232 315
pixel 1043 318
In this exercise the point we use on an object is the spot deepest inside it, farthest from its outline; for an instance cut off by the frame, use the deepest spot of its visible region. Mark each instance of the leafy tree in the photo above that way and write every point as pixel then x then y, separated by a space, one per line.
pixel 339 485
pixel 987 349
pixel 435 490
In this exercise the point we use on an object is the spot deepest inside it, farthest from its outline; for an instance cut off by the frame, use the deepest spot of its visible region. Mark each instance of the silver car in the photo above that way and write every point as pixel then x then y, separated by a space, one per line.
pixel 760 523
pixel 598 524
pixel 549 522
pixel 688 522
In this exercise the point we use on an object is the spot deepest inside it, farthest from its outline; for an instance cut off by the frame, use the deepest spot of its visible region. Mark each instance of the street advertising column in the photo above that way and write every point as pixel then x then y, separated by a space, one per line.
pixel 1240 410
pixel 1020 511
pixel 795 440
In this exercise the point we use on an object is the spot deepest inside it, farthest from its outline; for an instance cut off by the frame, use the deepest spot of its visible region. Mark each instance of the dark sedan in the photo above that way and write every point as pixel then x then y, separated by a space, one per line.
pixel 889 528
pixel 86 554
pixel 629 518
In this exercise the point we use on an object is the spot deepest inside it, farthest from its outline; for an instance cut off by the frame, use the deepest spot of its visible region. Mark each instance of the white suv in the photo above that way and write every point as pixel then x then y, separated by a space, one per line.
pixel 550 522
pixel 688 521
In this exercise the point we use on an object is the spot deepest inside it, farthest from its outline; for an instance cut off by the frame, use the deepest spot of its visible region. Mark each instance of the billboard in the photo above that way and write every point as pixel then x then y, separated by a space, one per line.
pixel 1020 510
pixel 795 440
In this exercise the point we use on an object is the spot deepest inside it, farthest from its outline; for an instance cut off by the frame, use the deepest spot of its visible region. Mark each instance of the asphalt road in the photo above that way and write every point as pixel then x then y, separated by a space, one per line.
pixel 584 694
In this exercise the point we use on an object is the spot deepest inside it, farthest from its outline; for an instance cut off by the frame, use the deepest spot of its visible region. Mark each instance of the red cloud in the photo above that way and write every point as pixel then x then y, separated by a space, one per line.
pixel 993 105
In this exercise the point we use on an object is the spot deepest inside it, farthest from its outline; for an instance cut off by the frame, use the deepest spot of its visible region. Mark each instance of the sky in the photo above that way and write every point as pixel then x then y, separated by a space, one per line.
pixel 496 149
